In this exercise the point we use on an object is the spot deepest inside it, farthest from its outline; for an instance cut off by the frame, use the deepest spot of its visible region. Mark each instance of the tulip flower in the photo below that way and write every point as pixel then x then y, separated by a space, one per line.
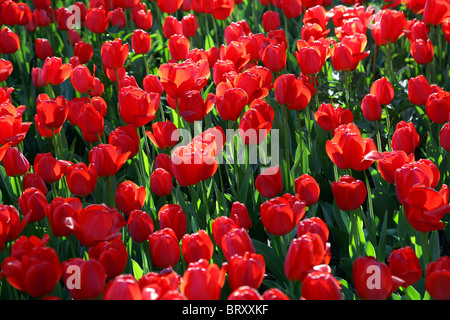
pixel 63 214
pixel 444 137
pixel 382 89
pixel 274 294
pixel 81 179
pixel 193 108
pixel 33 268
pixel 231 103
pixel 269 183
pixel 6 68
pixel 236 241
pixel 108 159
pixel 164 161
pixel 15 163
pixel 246 270
pixel 91 123
pixel 92 278
pixel 292 92
pixel 321 286
pixel 189 25
pixel 52 113
pixel 97 20
pixel 126 138
pixel 48 168
pixel 82 79
pixel 15 225
pixel 171 26
pixel 84 51
pixel 388 27
pixel 422 51
pixel 437 278
pixel 97 223
pixel 240 216
pixel 54 71
pixel 256 122
pixel 436 12
pixel 371 108
pixel 114 53
pixel 172 216
pixel 405 137
pixel 310 56
pixel 307 189
pixel 203 281
pixel 164 248
pixel 9 41
pixel 137 106
pixel 179 46
pixel 161 182
pixel 34 180
pixel 112 255
pixel 140 225
pixel 43 48
pixel 169 6
pixel 122 287
pixel 437 107
pixel 197 246
pixel 129 197
pixel 349 193
pixel 313 225
pixel 330 118
pixel 405 265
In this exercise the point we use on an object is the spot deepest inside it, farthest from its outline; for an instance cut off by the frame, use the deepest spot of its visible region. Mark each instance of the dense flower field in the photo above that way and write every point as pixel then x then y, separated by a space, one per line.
pixel 224 149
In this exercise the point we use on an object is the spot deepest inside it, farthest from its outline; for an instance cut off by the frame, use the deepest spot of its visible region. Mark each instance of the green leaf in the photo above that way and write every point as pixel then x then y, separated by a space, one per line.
pixel 434 245
pixel 273 263
pixel 137 270
pixel 370 250
pixel 413 293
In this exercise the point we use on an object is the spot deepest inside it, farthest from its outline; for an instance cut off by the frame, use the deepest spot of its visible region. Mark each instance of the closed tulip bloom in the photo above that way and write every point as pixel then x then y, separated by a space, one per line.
pixel 140 225
pixel 44 132
pixel 138 107
pixel 203 281
pixel 192 107
pixel 126 138
pixel 240 216
pixel 303 254
pixel 92 278
pixel 97 223
pixel 34 180
pixel 271 21
pixel 52 113
pixel 269 183
pixel 330 118
pixel 33 202
pixel 436 12
pixel 152 83
pixel 246 270
pixel 446 29
pixel 373 280
pixel 9 41
pixel 172 216
pixel 82 79
pixel 33 269
pixel 91 123
pixel 307 189
pixel 15 163
pixel 425 207
pixel 391 161
pixel 419 90
pixel 169 6
pixel 14 130
pixel 54 71
pixel 97 20
pixel 43 48
pixel 165 134
pixel 274 294
pixel 161 182
pixel 114 53
pixel 6 68
pixel 130 197
pixel 220 227
pixel 405 137
pixel 256 122
pixel 383 90
pixel 349 193
pixel 63 214
pixel 222 9
pixel 15 225
pixel 405 265
pixel 444 137
pixel 236 241
pixel 245 293
pixel 371 107
pixel 280 215
pixel 75 105
pixel 197 246
pixel 48 168
pixel 171 26
pixel 189 25
pixel 112 255
pixel 274 57
pixel 117 18
pixel 122 287
pixel 81 179
pixel 321 286
pixel 42 17
pixel 141 41
pixel 422 51
pixel 391 24
pixel 310 57
pixel 164 248
pixel 437 278
pixel 143 19
pixel 84 51
pixel 231 103
pixel 438 107
pixel 108 159
pixel 313 225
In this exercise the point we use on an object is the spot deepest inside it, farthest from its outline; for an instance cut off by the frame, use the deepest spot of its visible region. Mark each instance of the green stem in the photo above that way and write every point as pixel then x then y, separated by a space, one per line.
pixel 300 139
pixel 111 192
pixel 423 238
pixel 287 146
pixel 390 64
pixel 145 64
pixel 388 128
pixel 377 125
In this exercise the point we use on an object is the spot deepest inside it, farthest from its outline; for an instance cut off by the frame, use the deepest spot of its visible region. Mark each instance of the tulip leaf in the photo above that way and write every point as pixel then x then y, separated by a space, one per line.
pixel 273 263
pixel 434 245
pixel 413 294
pixel 137 270
pixel 382 241
pixel 370 250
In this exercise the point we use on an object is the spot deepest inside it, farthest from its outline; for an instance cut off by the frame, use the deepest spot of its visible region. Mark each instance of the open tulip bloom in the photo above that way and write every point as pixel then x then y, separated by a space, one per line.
pixel 224 150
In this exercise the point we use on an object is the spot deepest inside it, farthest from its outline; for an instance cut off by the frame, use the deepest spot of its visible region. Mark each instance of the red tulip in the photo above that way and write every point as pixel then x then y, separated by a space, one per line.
pixel 108 159
pixel 43 48
pixel 48 168
pixel 416 29
pixel 307 189
pixel 112 255
pixel 91 123
pixel 92 278
pixel 169 6
pixel 161 182
pixel 240 216
pixel 54 71
pixel 152 83
pixel 405 137
pixel 179 46
pixel 97 20
pixel 173 217
pixel 6 68
pixel 221 226
pixel 310 56
pixel 203 281
pixel 63 214
pixel 231 103
pixel 405 265
pixel 314 225
pixel 52 113
pixel 84 51
pixel 422 51
pixel 164 161
pixel 32 268
pixel 97 223
pixel 189 25
pixel 274 294
pixel 256 122
pixel 114 53
pixel 437 278
pixel 446 29
pixel 197 246
pixel 444 137
pixel 143 19
pixel 15 163
pixel 373 280
pixel 246 270
pixel 389 24
pixel 236 241
pixel 122 287
pixel 330 118
pixel 438 107
pixel 419 90
pixel 11 217
pixel 141 41
pixel 425 207
pixel 137 107
pixel 126 138
pixel 171 26
pixel 164 248
pixel 436 12
pixel 303 254
pixel 222 9
pixel 193 108
pixel 371 107
pixel 130 197
pixel 321 286
pixel 349 193
pixel 9 41
pixel 117 18
pixel 81 179
pixel 274 57
pixel 270 21
pixel 391 161
pixel 269 183
pixel 82 79
pixel 292 92
pixel 280 215
pixel 140 225
pixel 383 90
